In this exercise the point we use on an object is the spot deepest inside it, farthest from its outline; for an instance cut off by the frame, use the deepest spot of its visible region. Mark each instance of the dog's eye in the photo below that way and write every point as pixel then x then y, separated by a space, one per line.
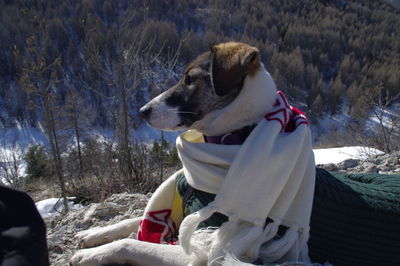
pixel 188 80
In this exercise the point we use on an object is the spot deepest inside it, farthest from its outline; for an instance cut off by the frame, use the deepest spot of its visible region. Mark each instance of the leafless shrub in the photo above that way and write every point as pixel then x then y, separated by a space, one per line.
pixel 103 176
pixel 383 113
pixel 11 165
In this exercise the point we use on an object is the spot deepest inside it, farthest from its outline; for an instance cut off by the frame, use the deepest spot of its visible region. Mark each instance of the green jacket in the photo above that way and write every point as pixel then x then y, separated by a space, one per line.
pixel 355 218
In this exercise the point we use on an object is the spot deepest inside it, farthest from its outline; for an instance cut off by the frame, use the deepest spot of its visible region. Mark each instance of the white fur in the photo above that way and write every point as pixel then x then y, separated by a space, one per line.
pixel 125 250
pixel 252 103
pixel 132 251
pixel 101 235
pixel 163 116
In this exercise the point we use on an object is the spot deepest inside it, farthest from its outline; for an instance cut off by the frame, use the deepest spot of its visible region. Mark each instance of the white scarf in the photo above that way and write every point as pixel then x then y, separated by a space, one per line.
pixel 271 175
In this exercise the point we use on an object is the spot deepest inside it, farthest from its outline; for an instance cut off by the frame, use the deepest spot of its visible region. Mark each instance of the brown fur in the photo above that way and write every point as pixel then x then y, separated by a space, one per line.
pixel 233 55
pixel 231 63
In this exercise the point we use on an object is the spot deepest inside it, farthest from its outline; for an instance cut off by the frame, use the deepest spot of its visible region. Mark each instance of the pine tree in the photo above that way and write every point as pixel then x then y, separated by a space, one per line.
pixel 37 162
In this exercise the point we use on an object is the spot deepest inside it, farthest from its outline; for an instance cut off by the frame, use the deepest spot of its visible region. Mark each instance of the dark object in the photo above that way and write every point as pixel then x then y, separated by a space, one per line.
pixel 22 231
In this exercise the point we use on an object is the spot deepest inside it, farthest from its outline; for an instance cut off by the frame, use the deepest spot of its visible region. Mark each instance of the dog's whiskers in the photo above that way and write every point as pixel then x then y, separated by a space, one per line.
pixel 182 112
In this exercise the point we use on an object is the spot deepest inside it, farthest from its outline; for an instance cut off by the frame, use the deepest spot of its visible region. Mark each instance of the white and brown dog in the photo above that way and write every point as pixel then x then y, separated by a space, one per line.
pixel 217 95
pixel 224 93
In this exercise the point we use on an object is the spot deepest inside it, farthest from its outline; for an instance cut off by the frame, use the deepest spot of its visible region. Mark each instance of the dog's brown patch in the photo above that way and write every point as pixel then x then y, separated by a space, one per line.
pixel 231 63
pixel 232 55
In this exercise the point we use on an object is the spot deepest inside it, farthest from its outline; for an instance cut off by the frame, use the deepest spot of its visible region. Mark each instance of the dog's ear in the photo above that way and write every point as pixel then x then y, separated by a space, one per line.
pixel 231 63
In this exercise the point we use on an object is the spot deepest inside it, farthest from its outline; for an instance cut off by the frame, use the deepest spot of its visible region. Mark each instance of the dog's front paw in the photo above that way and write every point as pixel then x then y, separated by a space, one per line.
pixel 87 257
pixel 92 237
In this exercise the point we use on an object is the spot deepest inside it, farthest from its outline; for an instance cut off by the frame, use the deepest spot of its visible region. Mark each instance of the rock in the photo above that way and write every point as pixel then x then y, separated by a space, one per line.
pixel 62 229
pixel 384 164
pixel 106 210
pixel 89 213
pixel 57 249
pixel 369 167
pixel 350 163
pixel 329 167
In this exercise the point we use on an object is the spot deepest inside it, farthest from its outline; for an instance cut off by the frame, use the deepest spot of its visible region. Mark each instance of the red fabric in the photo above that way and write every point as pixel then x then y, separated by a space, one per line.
pixel 288 116
pixel 158 227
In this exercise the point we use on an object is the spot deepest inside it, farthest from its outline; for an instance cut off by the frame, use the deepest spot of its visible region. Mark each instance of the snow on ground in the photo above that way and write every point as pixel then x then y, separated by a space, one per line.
pixel 339 121
pixel 337 155
pixel 389 118
pixel 11 162
pixel 53 206
pixel 22 135
pixel 14 143
pixel 329 124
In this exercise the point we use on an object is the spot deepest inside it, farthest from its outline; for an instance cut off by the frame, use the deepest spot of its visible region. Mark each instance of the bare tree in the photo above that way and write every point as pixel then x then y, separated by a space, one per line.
pixel 127 65
pixel 387 114
pixel 11 164
pixel 121 76
pixel 40 78
pixel 77 117
pixel 381 109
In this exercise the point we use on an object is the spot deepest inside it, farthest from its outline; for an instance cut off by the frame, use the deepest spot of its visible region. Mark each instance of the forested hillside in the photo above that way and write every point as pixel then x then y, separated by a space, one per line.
pixel 106 57
pixel 70 66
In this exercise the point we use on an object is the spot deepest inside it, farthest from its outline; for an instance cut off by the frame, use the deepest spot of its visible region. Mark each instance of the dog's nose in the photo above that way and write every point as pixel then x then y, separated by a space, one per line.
pixel 145 112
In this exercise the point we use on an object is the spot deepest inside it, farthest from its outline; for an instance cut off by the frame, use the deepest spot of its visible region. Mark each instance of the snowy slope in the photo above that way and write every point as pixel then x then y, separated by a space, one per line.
pixel 337 155
pixel 53 206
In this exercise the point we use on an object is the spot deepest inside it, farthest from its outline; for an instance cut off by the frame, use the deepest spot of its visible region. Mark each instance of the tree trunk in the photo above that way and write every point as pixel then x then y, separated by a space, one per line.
pixel 125 134
pixel 78 141
pixel 162 152
pixel 52 135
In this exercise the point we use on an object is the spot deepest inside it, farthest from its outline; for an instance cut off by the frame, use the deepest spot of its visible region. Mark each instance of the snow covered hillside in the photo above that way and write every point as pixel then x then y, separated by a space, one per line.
pixel 337 155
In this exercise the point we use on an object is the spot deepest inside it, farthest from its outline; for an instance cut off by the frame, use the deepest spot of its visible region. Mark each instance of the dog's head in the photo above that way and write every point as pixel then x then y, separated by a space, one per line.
pixel 210 83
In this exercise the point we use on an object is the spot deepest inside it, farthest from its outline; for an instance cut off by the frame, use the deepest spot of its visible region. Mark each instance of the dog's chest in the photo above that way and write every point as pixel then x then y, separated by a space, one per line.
pixel 193 200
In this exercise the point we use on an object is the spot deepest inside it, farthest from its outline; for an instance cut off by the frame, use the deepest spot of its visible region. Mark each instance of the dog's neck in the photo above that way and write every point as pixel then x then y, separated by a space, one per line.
pixel 236 137
pixel 253 102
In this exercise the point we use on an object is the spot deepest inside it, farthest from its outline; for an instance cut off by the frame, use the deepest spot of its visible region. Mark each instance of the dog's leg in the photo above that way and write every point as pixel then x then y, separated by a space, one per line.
pixel 131 251
pixel 101 235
